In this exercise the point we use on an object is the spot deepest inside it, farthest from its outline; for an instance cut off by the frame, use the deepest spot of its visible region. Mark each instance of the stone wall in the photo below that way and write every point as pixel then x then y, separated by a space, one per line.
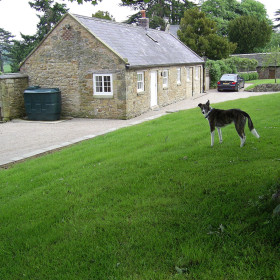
pixel 191 85
pixel 266 88
pixel 268 72
pixel 67 59
pixel 12 87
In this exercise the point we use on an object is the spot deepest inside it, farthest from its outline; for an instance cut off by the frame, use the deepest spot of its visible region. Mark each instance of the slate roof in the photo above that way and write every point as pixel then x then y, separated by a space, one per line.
pixel 139 46
pixel 173 29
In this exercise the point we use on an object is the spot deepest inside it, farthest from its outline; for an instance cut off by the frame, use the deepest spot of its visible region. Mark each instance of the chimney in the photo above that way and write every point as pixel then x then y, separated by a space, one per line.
pixel 143 21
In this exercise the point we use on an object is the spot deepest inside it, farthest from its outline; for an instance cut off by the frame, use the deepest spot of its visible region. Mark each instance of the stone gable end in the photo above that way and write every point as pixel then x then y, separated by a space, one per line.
pixel 67 59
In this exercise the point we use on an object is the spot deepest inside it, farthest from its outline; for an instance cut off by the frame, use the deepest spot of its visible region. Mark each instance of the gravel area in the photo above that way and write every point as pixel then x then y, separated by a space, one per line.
pixel 21 139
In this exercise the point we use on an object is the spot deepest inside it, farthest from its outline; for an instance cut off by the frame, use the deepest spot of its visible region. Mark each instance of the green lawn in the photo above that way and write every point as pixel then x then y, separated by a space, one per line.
pixel 152 201
pixel 259 82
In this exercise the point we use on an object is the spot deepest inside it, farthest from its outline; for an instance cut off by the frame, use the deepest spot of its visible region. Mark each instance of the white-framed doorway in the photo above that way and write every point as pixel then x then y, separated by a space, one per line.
pixel 154 97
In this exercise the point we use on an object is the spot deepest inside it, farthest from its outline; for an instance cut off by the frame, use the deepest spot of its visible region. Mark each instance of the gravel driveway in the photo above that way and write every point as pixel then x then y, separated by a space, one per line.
pixel 20 139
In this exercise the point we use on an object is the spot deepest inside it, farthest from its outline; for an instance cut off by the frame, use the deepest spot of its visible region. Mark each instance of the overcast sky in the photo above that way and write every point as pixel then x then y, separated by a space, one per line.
pixel 17 16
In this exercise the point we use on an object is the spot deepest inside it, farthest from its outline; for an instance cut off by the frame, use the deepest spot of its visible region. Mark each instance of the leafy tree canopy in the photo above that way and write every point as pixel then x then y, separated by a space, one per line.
pixel 51 13
pixel 93 2
pixel 223 11
pixel 5 46
pixel 200 34
pixel 249 33
pixel 173 10
pixel 103 15
pixel 274 42
pixel 253 8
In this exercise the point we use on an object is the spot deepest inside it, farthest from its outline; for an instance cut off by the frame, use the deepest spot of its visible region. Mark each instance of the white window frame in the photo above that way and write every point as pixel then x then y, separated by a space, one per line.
pixel 188 69
pixel 197 68
pixel 140 81
pixel 165 78
pixel 104 89
pixel 178 76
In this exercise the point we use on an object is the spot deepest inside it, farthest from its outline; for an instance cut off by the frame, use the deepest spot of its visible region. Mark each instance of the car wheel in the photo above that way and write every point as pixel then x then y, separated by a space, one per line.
pixel 237 88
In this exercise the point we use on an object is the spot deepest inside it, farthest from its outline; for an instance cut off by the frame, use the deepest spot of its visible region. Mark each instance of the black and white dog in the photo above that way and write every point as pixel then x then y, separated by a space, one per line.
pixel 220 118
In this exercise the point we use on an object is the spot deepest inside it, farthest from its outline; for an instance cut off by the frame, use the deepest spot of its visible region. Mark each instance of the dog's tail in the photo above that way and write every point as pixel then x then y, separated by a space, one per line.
pixel 251 125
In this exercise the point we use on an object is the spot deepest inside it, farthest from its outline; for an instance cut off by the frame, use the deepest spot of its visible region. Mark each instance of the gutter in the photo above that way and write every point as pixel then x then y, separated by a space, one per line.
pixel 128 66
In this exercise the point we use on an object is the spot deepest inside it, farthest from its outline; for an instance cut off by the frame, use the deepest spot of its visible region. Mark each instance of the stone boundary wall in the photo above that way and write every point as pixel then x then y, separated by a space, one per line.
pixel 266 88
pixel 12 87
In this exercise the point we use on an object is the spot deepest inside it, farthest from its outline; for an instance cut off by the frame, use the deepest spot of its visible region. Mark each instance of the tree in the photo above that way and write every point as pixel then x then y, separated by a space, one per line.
pixel 93 2
pixel 5 46
pixel 274 42
pixel 21 49
pixel 221 11
pixel 171 9
pixel 224 11
pixel 249 33
pixel 200 34
pixel 51 14
pixel 103 15
pixel 253 8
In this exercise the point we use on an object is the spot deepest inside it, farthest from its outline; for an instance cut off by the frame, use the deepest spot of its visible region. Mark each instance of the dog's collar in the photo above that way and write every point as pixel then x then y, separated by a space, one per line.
pixel 208 113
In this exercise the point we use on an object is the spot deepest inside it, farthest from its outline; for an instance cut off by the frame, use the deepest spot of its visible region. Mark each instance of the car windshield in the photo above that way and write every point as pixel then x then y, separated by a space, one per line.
pixel 229 78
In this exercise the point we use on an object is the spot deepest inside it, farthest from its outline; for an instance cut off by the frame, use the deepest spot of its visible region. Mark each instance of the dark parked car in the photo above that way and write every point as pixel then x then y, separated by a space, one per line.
pixel 231 82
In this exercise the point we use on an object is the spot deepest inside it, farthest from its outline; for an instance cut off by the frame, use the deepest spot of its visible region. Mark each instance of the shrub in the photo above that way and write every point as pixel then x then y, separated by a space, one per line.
pixel 231 65
pixel 253 75
pixel 247 76
pixel 224 66
pixel 214 72
pixel 244 75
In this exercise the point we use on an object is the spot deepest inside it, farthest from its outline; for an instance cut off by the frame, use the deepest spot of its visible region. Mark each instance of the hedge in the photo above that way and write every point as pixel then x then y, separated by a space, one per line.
pixel 247 76
pixel 231 65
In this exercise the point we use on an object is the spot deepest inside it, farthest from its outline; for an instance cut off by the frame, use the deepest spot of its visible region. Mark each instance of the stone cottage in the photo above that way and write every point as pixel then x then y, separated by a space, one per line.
pixel 106 69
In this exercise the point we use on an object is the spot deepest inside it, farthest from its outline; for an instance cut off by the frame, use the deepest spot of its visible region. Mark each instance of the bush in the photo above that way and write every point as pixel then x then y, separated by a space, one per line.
pixel 247 76
pixel 253 75
pixel 244 75
pixel 231 65
pixel 214 72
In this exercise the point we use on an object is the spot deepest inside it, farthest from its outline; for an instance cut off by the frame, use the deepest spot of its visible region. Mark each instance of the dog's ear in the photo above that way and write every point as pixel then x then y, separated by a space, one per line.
pixel 208 103
pixel 199 105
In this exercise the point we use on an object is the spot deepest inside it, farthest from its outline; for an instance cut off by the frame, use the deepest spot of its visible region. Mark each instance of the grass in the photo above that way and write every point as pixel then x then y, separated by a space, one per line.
pixel 153 201
pixel 260 82
pixel 7 68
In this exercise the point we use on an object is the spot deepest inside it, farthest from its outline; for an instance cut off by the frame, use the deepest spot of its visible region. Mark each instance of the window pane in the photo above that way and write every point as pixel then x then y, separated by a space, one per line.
pixel 178 75
pixel 107 84
pixel 140 81
pixel 98 83
pixel 188 74
pixel 165 78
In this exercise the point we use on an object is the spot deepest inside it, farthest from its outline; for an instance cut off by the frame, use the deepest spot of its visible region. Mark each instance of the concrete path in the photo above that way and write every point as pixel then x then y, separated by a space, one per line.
pixel 21 139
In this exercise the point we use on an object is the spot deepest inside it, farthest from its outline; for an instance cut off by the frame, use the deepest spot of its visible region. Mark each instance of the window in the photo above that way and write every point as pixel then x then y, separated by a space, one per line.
pixel 197 72
pixel 178 76
pixel 140 81
pixel 188 73
pixel 103 84
pixel 165 78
